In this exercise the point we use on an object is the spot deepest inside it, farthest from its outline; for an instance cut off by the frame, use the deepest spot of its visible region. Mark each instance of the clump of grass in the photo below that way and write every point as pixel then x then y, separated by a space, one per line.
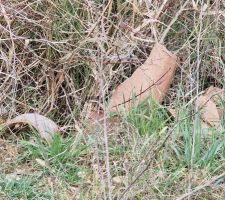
pixel 148 118
pixel 61 162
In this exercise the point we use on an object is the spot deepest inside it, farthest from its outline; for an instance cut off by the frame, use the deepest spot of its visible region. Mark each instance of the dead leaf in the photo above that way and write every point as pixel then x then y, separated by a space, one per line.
pixel 153 77
pixel 42 163
pixel 171 112
pixel 46 127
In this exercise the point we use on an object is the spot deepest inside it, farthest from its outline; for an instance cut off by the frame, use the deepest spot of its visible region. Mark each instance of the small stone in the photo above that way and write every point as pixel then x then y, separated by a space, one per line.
pixel 117 180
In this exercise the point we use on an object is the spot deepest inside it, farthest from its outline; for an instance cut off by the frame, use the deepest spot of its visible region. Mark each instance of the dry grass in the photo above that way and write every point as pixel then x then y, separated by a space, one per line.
pixel 59 56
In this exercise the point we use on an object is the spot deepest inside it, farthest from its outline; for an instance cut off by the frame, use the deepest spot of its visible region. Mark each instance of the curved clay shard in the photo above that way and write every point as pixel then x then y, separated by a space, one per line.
pixel 153 77
pixel 209 112
pixel 46 127
pixel 215 93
